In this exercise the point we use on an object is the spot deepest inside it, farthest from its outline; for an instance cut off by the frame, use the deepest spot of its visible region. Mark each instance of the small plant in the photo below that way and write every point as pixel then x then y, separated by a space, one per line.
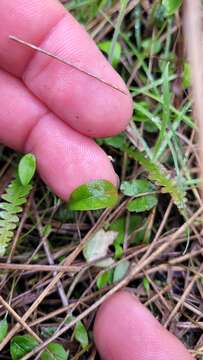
pixel 13 199
pixel 158 174
pixel 22 345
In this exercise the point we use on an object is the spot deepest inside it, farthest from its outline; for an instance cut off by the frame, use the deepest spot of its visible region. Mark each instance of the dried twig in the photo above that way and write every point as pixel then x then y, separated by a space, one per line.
pixel 20 320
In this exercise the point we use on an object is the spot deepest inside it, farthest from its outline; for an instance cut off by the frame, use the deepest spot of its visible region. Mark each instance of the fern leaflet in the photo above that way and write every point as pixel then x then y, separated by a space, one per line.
pixel 14 197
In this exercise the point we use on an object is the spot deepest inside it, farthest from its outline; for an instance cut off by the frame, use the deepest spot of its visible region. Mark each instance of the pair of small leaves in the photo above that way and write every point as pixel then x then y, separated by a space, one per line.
pixel 54 352
pixel 140 189
pixel 22 345
pixel 114 275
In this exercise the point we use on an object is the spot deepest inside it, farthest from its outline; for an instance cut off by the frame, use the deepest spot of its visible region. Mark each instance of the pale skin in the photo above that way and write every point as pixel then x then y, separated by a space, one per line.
pixel 54 111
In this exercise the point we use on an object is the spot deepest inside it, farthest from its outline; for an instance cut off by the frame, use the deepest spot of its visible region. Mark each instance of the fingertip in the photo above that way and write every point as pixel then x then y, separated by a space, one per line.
pixel 65 158
pixel 84 102
pixel 125 329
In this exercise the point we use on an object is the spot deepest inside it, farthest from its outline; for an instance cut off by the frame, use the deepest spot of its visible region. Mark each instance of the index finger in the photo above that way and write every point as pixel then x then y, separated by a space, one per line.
pixel 81 101
pixel 134 333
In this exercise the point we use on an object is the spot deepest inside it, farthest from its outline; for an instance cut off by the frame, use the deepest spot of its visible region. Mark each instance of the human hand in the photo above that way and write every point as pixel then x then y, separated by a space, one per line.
pixel 51 109
pixel 125 330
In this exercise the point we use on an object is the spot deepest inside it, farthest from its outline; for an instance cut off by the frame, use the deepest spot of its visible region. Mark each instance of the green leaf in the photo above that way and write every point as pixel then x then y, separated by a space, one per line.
pixel 118 141
pixel 171 6
pixel 97 246
pixel 81 335
pixel 26 169
pixel 97 194
pixel 136 187
pixel 21 345
pixel 121 270
pixel 3 329
pixel 151 46
pixel 105 46
pixel 103 279
pixel 55 352
pixel 186 76
pixel 143 203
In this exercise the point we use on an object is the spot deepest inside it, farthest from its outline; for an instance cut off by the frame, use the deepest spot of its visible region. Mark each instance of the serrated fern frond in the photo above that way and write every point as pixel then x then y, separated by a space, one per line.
pixel 158 174
pixel 14 197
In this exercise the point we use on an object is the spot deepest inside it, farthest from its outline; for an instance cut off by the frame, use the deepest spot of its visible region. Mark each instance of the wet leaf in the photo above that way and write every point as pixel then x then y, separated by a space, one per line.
pixel 97 194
